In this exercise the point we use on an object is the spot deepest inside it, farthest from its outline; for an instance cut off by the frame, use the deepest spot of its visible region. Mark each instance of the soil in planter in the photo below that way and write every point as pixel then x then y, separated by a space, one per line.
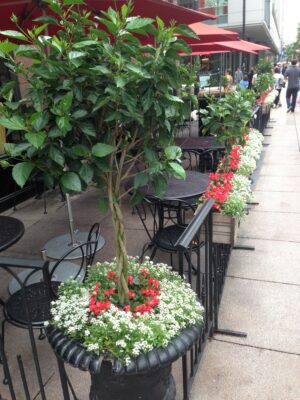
pixel 152 385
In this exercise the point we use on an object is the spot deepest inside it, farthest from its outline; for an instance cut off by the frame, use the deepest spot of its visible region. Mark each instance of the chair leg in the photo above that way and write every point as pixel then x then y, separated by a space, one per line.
pixel 5 380
pixel 42 335
pixel 153 253
pixel 146 247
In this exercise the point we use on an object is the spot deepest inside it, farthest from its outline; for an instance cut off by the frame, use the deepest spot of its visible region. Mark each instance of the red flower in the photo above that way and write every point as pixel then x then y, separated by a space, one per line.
pixel 111 275
pixel 108 292
pixel 130 280
pixel 126 308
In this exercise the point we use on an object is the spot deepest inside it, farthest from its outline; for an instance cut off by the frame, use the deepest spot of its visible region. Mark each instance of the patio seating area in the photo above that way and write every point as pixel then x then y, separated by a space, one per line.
pixel 261 294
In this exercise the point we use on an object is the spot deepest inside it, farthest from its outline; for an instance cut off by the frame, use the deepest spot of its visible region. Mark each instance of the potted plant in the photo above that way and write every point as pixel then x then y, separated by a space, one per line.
pixel 230 187
pixel 227 117
pixel 101 108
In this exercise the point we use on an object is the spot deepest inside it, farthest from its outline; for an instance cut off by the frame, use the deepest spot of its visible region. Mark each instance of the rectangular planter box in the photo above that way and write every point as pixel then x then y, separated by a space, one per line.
pixel 224 229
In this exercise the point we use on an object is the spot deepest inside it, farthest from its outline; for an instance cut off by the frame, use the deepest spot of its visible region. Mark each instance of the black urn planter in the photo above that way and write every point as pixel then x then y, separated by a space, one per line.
pixel 148 377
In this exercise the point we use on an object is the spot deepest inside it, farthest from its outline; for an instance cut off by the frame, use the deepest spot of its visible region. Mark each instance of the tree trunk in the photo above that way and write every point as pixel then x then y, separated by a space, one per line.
pixel 120 240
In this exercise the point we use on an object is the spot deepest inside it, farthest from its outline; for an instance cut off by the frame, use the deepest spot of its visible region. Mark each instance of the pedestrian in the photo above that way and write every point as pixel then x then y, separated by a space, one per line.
pixel 244 83
pixel 250 78
pixel 238 76
pixel 229 80
pixel 279 84
pixel 284 68
pixel 293 75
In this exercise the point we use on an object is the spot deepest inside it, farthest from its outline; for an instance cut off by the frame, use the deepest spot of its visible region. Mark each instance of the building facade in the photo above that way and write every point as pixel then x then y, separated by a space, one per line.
pixel 262 23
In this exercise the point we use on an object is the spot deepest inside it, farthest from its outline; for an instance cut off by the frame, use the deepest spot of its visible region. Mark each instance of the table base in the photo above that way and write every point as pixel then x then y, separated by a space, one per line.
pixel 60 245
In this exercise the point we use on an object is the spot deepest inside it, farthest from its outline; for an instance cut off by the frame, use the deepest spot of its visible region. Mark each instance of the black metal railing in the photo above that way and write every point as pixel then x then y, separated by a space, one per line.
pixel 196 247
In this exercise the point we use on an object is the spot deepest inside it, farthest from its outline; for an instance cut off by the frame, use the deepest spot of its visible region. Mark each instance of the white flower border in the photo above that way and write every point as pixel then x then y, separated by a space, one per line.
pixel 127 335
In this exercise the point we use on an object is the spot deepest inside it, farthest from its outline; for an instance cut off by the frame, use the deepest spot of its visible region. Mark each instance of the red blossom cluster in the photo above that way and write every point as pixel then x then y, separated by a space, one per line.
pixel 143 293
pixel 220 185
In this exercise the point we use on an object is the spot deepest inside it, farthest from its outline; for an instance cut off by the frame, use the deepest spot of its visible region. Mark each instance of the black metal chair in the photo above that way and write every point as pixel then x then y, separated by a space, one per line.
pixel 168 220
pixel 202 160
pixel 29 306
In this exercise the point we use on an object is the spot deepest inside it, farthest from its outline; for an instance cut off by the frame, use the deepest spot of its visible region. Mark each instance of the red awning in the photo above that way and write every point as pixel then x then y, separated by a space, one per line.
pixel 221 46
pixel 243 45
pixel 28 10
pixel 210 33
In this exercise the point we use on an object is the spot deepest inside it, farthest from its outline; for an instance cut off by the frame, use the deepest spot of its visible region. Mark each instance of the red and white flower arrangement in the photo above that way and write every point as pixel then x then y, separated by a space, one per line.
pixel 160 305
pixel 230 186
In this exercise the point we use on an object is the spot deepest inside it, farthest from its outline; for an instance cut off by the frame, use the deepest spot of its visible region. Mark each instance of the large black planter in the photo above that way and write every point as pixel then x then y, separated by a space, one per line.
pixel 148 377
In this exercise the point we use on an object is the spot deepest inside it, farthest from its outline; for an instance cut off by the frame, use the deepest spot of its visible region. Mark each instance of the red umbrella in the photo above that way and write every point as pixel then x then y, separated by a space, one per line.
pixel 244 45
pixel 238 45
pixel 210 33
pixel 28 10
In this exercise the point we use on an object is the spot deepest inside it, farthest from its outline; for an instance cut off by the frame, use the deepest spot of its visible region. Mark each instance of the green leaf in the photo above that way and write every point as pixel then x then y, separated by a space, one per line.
pixel 71 2
pixel 160 185
pixel 76 54
pixel 21 172
pixel 9 148
pixel 14 34
pixel 80 150
pixel 40 120
pixel 141 179
pixel 103 205
pixel 85 43
pixel 138 23
pixel 79 114
pixel 48 180
pixel 64 124
pixel 7 47
pixel 175 99
pixel 102 149
pixel 65 102
pixel 26 50
pixel 46 19
pixel 36 139
pixel 86 173
pixel 55 133
pixel 88 128
pixel 40 29
pixel 57 156
pixel 71 182
pixel 15 123
pixel 186 31
pixel 178 170
pixel 172 152
pixel 102 69
pixel 100 103
pixel 138 70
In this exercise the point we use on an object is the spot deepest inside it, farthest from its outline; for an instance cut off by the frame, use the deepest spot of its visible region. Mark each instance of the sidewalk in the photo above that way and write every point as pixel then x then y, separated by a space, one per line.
pixel 262 289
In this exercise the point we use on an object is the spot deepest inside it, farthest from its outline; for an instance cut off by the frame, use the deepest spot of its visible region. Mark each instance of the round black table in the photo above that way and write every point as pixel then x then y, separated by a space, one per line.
pixel 11 230
pixel 194 185
pixel 199 143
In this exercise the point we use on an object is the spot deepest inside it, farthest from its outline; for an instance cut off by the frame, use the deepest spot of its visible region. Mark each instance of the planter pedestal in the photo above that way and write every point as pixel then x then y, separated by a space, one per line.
pixel 148 377
pixel 224 229
pixel 158 384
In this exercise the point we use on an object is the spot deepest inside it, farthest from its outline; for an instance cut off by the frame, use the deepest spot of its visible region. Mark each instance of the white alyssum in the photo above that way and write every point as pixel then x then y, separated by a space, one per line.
pixel 121 333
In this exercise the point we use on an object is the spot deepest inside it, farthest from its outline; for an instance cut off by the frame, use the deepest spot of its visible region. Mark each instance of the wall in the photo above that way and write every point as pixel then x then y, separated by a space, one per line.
pixel 254 11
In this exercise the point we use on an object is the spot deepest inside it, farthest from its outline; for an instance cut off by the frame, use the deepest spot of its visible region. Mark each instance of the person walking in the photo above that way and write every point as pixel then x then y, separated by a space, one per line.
pixel 250 78
pixel 244 83
pixel 293 76
pixel 279 83
pixel 238 76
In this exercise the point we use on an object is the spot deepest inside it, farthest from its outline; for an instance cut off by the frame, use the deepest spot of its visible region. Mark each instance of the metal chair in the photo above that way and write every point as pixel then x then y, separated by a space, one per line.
pixel 168 221
pixel 29 306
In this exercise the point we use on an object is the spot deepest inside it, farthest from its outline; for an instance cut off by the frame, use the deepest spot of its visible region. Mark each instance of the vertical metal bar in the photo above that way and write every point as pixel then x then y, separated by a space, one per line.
pixel 23 377
pixel 71 221
pixel 180 263
pixel 63 378
pixel 210 265
pixel 6 370
pixel 185 378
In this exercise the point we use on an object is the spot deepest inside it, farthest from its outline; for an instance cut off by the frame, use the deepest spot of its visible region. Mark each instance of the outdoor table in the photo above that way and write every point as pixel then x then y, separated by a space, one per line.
pixel 11 230
pixel 194 185
pixel 199 143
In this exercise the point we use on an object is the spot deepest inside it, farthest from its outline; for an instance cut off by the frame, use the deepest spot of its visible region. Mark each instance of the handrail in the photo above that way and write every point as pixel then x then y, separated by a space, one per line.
pixel 191 230
pixel 255 111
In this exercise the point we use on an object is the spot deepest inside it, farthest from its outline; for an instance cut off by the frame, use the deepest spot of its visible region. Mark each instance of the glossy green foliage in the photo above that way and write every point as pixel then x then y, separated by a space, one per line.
pixel 226 117
pixel 98 100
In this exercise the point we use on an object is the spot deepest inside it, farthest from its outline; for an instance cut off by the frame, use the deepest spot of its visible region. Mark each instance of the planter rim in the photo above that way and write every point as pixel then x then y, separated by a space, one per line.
pixel 74 353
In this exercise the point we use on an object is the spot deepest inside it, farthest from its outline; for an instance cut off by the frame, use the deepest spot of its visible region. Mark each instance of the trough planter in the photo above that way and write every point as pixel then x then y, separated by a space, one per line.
pixel 225 229
pixel 148 377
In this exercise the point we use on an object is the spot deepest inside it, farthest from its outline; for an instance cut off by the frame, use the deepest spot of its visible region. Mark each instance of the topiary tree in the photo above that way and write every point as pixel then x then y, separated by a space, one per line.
pixel 98 103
